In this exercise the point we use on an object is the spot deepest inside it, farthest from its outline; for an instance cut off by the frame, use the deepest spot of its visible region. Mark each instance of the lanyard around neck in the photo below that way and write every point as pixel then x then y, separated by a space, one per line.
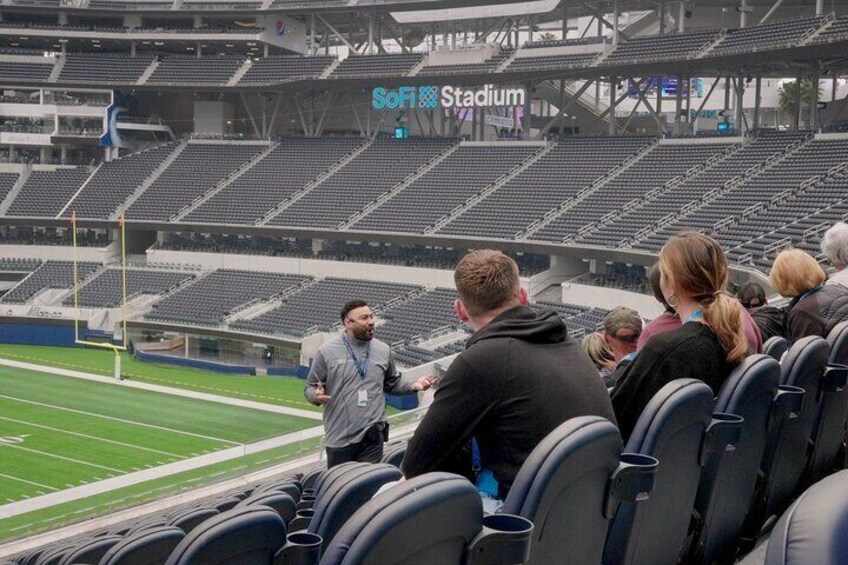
pixel 696 315
pixel 361 367
pixel 809 292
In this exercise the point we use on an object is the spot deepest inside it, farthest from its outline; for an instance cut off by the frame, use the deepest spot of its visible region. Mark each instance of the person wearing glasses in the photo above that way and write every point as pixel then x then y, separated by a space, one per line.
pixel 348 377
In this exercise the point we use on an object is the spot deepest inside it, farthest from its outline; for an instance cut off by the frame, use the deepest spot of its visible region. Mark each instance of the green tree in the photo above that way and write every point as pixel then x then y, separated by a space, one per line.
pixel 547 36
pixel 788 98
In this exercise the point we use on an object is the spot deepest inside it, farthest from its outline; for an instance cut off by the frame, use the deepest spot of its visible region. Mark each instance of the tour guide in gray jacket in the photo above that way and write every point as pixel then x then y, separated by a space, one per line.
pixel 348 377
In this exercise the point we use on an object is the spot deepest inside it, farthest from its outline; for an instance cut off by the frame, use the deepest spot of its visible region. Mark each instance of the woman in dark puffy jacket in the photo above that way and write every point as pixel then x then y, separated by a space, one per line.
pixel 815 308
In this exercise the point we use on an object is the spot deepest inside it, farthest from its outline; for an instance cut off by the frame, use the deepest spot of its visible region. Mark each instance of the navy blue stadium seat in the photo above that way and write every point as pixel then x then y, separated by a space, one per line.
pixel 339 500
pixel 729 476
pixel 91 551
pixel 829 429
pixel 189 519
pixel 432 518
pixel 393 454
pixel 309 479
pixel 815 528
pixel 563 482
pixel 151 546
pixel 671 429
pixel 789 445
pixel 227 503
pixel 279 501
pixel 290 488
pixel 775 347
pixel 249 534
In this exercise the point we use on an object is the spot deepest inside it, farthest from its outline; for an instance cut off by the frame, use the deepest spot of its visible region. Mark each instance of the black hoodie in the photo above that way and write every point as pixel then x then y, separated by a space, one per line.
pixel 519 377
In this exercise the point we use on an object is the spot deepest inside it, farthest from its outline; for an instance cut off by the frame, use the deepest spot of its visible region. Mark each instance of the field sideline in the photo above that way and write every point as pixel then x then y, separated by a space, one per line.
pixel 282 391
pixel 60 432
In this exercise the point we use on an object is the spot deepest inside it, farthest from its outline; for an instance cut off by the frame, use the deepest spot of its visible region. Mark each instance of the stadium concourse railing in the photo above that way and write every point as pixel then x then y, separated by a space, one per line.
pixel 160 488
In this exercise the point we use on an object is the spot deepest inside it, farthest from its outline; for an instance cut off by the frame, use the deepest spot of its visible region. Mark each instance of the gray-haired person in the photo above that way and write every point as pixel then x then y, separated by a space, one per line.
pixel 834 245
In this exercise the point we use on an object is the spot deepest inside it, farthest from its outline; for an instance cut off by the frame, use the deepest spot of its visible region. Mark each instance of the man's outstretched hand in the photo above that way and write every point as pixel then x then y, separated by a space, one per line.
pixel 320 396
pixel 422 384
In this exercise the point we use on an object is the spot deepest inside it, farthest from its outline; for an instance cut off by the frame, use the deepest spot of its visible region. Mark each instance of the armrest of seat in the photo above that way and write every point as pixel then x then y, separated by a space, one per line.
pixel 788 401
pixel 632 481
pixel 835 378
pixel 504 540
pixel 724 430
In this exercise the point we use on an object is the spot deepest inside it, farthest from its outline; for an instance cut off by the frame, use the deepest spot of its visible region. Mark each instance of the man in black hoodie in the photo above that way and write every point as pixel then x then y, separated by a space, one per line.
pixel 519 377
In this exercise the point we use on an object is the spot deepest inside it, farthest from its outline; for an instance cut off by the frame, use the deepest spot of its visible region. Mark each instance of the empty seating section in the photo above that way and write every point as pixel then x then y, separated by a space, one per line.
pixel 661 164
pixel 209 300
pixel 7 181
pixel 317 305
pixel 115 181
pixel 579 320
pixel 132 4
pixel 19 264
pixel 179 69
pixel 373 172
pixel 385 65
pixel 553 62
pixel 412 356
pixel 26 70
pixel 45 193
pixel 103 68
pixel 198 169
pixel 659 47
pixel 287 169
pixel 52 274
pixel 572 165
pixel 835 31
pixel 106 289
pixel 490 65
pixel 277 69
pixel 418 317
pixel 460 176
pixel 671 209
pixel 543 43
pixel 760 189
pixel 767 36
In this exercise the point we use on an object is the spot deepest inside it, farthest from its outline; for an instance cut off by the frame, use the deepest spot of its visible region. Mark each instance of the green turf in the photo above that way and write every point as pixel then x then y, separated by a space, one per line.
pixel 283 391
pixel 60 514
pixel 58 432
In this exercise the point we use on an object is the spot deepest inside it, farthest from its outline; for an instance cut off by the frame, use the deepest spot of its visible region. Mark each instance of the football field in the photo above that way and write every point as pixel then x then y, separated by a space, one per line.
pixel 59 432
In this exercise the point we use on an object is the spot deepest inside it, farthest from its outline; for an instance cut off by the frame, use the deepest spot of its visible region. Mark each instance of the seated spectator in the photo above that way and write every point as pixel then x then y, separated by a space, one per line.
pixel 599 352
pixel 815 308
pixel 666 321
pixel 711 340
pixel 770 320
pixel 519 377
pixel 669 320
pixel 834 245
pixel 622 327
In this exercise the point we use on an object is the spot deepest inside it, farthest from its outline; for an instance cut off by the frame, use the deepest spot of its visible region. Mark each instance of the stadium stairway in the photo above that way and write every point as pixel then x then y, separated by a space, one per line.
pixel 586 109
pixel 16 188
pixel 149 180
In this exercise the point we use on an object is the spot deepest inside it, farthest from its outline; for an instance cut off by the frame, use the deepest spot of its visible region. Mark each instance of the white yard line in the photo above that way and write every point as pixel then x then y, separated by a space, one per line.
pixel 78 434
pixel 62 457
pixel 166 390
pixel 76 493
pixel 10 477
pixel 122 420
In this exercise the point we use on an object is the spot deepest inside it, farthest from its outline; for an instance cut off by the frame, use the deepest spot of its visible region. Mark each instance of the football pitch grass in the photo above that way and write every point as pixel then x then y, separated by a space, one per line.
pixel 282 391
pixel 60 432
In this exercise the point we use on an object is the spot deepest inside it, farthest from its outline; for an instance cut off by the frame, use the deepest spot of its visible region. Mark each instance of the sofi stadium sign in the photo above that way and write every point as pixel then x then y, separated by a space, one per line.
pixel 431 97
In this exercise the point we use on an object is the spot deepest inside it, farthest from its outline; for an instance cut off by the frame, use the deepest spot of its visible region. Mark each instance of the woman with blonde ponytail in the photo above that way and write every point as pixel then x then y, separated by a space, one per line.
pixel 711 340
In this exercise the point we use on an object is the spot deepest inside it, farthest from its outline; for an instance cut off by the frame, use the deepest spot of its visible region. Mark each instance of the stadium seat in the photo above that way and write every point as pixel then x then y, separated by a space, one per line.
pixel 670 429
pixel 338 501
pixel 829 428
pixel 189 519
pixel 429 519
pixel 147 547
pixel 227 503
pixel 91 551
pixel 565 481
pixel 249 534
pixel 330 475
pixel 775 347
pixel 393 454
pixel 789 437
pixel 729 477
pixel 284 505
pixel 815 528
pixel 309 479
pixel 289 488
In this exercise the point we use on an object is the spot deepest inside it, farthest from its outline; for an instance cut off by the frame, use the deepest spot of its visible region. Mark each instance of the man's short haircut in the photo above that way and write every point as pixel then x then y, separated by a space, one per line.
pixel 352 305
pixel 751 295
pixel 486 280
pixel 834 244
pixel 620 319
